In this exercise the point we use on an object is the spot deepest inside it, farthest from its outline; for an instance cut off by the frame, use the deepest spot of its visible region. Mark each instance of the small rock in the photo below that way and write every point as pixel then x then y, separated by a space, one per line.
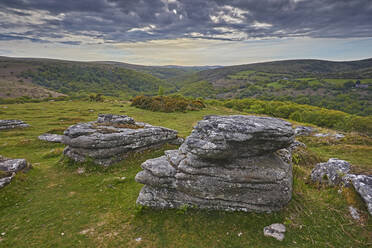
pixel 3 234
pixel 303 130
pixel 331 172
pixel 86 231
pixel 335 136
pixel 55 138
pixel 363 185
pixel 12 165
pixel 80 170
pixel 9 167
pixel 240 234
pixel 321 135
pixel 339 136
pixel 275 230
pixel 9 124
pixel 139 239
pixel 354 213
pixel 296 144
pixel 6 180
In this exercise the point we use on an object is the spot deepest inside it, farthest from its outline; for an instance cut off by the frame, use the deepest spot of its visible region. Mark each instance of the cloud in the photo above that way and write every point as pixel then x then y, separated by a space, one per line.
pixel 118 21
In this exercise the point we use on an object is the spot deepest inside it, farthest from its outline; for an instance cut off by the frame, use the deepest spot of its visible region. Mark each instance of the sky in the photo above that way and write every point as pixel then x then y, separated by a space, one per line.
pixel 186 32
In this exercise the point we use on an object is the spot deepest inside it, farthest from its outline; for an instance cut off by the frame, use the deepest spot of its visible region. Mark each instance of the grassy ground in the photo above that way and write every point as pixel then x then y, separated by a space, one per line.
pixel 54 206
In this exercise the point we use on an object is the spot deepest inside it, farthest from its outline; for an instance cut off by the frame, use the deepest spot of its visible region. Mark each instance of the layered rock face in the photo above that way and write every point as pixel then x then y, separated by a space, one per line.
pixel 112 137
pixel 9 124
pixel 227 163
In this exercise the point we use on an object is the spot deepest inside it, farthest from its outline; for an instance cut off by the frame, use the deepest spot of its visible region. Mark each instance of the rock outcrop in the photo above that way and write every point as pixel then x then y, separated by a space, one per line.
pixel 54 138
pixel 336 172
pixel 330 172
pixel 9 168
pixel 227 163
pixel 112 137
pixel 10 124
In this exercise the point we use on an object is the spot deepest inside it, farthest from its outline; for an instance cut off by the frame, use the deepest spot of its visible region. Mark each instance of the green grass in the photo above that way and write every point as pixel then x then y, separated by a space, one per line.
pixel 242 75
pixel 353 148
pixel 54 206
pixel 275 85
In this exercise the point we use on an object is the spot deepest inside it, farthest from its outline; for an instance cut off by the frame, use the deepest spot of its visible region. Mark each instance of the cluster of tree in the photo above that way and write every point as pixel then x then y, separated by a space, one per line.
pixel 337 94
pixel 174 103
pixel 302 113
pixel 69 79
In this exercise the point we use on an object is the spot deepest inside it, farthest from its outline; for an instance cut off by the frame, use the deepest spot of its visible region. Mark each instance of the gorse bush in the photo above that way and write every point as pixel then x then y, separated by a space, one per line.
pixel 174 103
pixel 303 113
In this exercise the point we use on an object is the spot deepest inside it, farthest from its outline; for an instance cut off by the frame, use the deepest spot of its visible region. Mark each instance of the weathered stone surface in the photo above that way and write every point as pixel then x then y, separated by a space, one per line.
pixel 55 138
pixel 354 213
pixel 304 131
pixel 9 167
pixel 12 165
pixel 218 137
pixel 112 137
pixel 286 153
pixel 9 124
pixel 296 144
pixel 330 172
pixel 6 180
pixel 275 230
pixel 227 163
pixel 334 136
pixel 363 185
pixel 338 136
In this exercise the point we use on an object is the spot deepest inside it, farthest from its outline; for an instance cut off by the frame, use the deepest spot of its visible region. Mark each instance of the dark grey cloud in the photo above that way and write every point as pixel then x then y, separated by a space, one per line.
pixel 76 22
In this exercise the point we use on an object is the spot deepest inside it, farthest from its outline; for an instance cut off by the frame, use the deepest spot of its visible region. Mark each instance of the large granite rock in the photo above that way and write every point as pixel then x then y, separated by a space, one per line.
pixel 227 163
pixel 9 168
pixel 112 137
pixel 9 124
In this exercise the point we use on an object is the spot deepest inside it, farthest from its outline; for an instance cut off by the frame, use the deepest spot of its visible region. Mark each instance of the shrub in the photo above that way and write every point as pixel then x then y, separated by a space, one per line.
pixel 174 103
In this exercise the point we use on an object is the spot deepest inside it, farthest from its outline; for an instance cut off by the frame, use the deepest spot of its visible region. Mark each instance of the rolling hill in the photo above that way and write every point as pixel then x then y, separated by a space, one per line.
pixel 342 86
pixel 58 77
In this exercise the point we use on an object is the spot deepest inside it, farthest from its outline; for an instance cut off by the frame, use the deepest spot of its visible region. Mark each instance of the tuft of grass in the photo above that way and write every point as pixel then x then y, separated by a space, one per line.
pixel 55 152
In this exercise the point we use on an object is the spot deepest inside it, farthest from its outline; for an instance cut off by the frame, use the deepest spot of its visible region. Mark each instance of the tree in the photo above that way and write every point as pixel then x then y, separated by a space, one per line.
pixel 161 91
